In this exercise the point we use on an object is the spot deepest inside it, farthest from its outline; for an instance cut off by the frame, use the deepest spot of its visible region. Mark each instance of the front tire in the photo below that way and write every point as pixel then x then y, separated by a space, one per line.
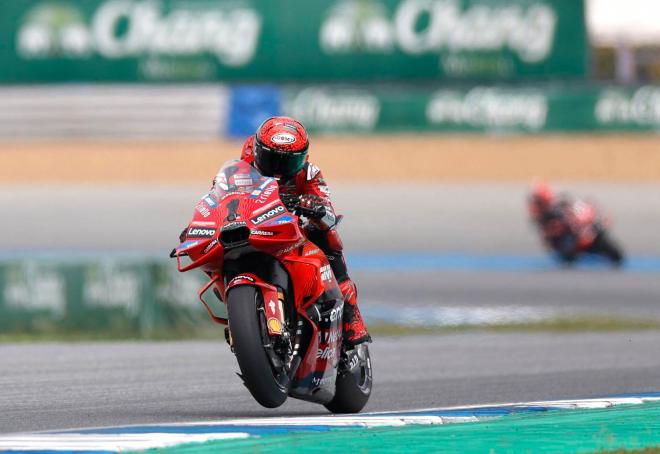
pixel 243 304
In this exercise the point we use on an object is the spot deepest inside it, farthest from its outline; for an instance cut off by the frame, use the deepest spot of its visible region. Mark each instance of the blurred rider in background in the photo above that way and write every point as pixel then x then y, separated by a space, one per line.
pixel 279 149
pixel 570 226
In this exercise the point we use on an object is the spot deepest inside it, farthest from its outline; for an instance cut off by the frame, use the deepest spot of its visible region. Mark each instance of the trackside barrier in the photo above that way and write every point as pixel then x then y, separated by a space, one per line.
pixel 493 109
pixel 106 297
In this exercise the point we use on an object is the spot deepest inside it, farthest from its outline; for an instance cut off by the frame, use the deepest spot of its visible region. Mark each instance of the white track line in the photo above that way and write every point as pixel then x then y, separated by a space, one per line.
pixel 89 441
pixel 109 442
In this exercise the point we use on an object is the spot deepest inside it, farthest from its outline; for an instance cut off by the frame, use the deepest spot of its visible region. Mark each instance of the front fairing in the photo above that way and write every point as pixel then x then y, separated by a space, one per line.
pixel 242 212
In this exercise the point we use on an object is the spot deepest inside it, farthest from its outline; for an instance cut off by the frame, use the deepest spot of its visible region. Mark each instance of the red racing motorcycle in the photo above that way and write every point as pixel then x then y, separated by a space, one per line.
pixel 575 227
pixel 275 291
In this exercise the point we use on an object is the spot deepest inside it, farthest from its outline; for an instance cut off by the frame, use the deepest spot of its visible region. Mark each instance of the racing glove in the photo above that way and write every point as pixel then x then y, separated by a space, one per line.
pixel 311 206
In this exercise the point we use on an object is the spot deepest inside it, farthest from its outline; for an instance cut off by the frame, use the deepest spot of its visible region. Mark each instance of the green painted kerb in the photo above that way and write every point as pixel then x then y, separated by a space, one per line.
pixel 629 427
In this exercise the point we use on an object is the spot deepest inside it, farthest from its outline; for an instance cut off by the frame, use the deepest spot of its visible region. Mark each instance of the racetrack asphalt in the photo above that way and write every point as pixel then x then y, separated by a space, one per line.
pixel 475 218
pixel 57 386
pixel 52 386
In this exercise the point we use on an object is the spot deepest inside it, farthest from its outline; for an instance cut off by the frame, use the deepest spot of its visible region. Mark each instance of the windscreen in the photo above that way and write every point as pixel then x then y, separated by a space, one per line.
pixel 237 177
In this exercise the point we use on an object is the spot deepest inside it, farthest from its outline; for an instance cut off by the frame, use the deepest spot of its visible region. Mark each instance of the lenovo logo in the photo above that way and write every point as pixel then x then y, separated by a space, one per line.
pixel 200 232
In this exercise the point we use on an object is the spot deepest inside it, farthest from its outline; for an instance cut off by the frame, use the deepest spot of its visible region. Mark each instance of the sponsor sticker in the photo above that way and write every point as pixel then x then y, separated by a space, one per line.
pixel 200 232
pixel 233 225
pixel 266 193
pixel 274 325
pixel 229 194
pixel 210 246
pixel 273 212
pixel 326 353
pixel 283 138
pixel 210 201
pixel 203 223
pixel 329 336
pixel 203 210
pixel 266 207
pixel 240 277
pixel 242 179
pixel 279 221
pixel 187 245
pixel 326 273
pixel 336 313
pixel 316 381
pixel 257 192
pixel 354 362
pixel 261 232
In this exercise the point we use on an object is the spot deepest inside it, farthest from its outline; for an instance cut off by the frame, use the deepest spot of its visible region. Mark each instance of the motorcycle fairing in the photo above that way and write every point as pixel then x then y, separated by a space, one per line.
pixel 273 309
pixel 212 283
pixel 248 216
pixel 316 376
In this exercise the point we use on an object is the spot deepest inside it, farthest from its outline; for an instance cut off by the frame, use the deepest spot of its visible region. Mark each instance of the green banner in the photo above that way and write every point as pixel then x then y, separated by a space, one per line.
pixel 290 40
pixel 106 297
pixel 528 109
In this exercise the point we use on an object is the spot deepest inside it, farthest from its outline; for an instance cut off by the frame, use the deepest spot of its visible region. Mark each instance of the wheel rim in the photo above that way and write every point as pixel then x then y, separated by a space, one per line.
pixel 363 376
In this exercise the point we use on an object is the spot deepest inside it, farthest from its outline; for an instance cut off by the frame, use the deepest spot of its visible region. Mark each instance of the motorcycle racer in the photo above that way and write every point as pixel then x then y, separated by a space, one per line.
pixel 279 149
pixel 568 225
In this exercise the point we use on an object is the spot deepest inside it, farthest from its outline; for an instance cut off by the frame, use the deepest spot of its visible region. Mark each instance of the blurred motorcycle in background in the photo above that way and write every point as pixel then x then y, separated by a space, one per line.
pixel 571 227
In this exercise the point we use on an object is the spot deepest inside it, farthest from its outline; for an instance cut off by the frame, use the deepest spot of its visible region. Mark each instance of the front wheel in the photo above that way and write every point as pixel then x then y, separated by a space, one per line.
pixel 249 338
pixel 354 381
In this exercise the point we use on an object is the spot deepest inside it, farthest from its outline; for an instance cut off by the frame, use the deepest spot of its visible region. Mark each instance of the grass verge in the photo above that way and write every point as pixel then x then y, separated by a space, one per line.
pixel 214 332
pixel 576 325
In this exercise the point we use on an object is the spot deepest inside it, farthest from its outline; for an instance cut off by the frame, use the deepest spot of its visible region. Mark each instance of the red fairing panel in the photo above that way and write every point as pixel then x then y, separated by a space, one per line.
pixel 272 300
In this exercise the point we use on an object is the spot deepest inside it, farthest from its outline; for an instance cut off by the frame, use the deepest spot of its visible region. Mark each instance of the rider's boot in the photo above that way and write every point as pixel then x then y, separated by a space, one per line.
pixel 355 332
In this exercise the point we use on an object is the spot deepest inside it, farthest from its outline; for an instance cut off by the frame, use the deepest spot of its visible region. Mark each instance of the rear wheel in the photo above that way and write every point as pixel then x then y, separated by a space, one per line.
pixel 607 247
pixel 247 324
pixel 354 381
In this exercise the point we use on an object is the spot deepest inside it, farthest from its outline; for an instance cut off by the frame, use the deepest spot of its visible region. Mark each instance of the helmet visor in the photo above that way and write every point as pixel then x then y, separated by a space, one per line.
pixel 278 164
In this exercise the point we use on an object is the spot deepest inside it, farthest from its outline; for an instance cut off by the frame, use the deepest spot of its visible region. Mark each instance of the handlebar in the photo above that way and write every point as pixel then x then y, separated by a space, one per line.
pixel 312 213
pixel 291 201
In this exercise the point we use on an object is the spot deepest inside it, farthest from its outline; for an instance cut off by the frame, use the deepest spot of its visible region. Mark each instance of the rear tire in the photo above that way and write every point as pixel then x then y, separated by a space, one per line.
pixel 608 248
pixel 613 252
pixel 243 303
pixel 353 387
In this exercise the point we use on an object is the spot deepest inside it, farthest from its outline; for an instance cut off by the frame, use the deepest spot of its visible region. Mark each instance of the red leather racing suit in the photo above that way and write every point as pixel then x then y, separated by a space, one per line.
pixel 323 232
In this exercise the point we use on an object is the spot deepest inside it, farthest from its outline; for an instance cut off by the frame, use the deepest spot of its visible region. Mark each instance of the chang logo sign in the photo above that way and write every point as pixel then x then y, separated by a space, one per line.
pixel 489 108
pixel 133 28
pixel 526 28
pixel 54 29
pixel 334 109
pixel 640 107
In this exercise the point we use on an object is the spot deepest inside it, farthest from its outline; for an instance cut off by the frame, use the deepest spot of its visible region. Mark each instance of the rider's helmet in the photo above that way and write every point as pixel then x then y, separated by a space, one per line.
pixel 280 147
pixel 541 198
